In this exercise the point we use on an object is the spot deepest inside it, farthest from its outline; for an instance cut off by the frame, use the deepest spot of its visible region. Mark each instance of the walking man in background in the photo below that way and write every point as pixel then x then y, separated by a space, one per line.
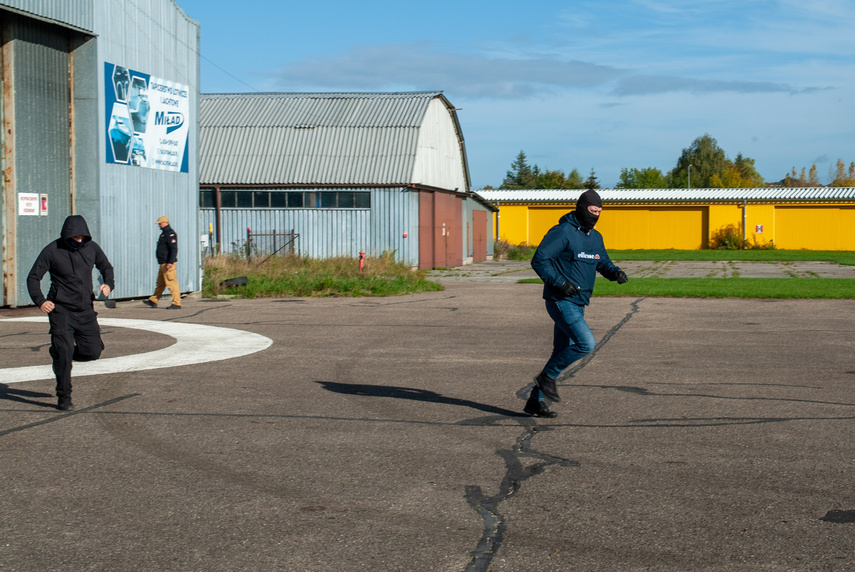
pixel 567 260
pixel 167 256
pixel 74 331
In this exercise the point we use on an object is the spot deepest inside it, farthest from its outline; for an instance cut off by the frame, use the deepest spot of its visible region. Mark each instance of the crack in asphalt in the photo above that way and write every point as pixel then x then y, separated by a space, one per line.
pixel 515 471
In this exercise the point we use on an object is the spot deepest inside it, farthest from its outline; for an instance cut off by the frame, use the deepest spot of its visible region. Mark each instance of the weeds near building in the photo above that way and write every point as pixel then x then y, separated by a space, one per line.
pixel 729 237
pixel 506 251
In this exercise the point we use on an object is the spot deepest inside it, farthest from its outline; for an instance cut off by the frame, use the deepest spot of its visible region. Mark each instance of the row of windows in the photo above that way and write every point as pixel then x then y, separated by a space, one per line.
pixel 287 199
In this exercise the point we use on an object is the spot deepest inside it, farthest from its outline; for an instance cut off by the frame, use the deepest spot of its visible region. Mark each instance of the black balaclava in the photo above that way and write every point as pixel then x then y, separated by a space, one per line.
pixel 585 218
pixel 75 225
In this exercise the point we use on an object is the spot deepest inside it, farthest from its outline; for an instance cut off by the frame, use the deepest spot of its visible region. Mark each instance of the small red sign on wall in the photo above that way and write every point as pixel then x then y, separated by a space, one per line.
pixel 758 228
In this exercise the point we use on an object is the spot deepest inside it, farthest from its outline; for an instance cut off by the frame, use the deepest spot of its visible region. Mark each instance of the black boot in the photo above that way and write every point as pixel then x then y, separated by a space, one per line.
pixel 547 385
pixel 537 408
pixel 64 403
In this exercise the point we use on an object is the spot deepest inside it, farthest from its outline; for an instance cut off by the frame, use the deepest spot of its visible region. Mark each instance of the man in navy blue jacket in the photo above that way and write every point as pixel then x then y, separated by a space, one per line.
pixel 74 331
pixel 567 260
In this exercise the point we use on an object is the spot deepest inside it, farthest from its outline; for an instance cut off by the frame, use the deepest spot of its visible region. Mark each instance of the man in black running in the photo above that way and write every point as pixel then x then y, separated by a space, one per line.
pixel 74 331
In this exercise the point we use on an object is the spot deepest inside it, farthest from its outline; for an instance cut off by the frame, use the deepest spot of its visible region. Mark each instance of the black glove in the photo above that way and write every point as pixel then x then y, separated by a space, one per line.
pixel 621 277
pixel 569 289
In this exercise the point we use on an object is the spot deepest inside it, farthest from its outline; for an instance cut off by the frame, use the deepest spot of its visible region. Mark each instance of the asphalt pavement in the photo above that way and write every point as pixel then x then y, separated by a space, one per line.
pixel 388 434
pixel 514 270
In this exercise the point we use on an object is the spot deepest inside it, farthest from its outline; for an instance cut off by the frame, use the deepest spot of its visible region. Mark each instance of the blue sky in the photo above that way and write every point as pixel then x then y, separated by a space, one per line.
pixel 583 84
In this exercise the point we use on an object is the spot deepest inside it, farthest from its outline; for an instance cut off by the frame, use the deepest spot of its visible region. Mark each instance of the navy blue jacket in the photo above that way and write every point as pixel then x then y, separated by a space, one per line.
pixel 70 268
pixel 569 254
pixel 167 246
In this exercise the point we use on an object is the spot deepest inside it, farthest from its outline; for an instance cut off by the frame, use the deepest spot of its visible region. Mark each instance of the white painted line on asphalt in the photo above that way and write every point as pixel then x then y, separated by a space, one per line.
pixel 194 343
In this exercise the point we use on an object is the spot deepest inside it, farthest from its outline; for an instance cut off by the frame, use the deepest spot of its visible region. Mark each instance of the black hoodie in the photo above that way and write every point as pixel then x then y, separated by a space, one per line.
pixel 70 267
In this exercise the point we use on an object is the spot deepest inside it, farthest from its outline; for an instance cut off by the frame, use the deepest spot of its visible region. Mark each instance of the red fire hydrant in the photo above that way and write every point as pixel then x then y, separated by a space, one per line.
pixel 361 260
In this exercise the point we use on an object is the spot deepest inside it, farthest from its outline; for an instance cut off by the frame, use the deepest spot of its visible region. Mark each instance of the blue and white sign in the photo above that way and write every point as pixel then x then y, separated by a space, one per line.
pixel 147 120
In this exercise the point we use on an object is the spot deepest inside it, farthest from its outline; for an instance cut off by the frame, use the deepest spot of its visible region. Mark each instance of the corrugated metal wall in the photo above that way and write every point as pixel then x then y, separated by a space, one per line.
pixel 394 212
pixel 331 232
pixel 154 37
pixel 38 147
pixel 688 227
pixel 323 232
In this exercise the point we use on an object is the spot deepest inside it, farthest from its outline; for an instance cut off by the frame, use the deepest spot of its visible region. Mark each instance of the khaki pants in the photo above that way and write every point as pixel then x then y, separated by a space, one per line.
pixel 167 279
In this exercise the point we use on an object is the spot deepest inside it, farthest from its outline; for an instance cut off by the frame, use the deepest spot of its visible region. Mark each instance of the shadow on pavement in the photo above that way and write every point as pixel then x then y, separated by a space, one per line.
pixel 412 394
pixel 23 396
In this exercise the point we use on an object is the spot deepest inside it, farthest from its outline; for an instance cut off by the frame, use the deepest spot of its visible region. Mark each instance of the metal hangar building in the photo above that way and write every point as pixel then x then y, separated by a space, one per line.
pixel 100 118
pixel 346 172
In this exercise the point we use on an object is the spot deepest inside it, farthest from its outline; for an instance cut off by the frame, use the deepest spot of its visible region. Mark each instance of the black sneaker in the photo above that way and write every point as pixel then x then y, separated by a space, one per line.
pixel 173 307
pixel 547 385
pixel 150 303
pixel 537 408
pixel 64 404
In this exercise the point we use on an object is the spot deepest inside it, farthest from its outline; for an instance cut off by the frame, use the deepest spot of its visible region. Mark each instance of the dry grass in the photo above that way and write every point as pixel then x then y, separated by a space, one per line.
pixel 287 276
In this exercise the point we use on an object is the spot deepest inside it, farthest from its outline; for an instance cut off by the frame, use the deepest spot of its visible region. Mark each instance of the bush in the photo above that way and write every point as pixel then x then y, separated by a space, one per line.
pixel 506 251
pixel 729 237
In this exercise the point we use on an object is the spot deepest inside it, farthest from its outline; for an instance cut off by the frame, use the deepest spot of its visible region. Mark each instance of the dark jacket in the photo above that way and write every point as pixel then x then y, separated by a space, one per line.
pixel 569 254
pixel 167 246
pixel 70 268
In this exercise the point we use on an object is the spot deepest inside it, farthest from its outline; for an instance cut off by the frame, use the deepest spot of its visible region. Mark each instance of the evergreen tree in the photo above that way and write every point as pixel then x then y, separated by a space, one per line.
pixel 574 180
pixel 591 182
pixel 525 176
pixel 520 176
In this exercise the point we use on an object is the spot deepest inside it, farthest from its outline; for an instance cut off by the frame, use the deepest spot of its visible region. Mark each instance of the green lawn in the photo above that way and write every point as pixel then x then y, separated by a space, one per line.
pixel 846 257
pixel 829 288
pixel 730 287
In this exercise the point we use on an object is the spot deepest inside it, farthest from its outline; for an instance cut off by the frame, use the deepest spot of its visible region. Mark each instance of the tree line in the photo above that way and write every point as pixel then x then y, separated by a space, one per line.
pixel 702 165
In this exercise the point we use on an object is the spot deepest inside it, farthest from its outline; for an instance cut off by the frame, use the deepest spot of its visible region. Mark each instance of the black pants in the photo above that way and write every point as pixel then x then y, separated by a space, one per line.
pixel 74 335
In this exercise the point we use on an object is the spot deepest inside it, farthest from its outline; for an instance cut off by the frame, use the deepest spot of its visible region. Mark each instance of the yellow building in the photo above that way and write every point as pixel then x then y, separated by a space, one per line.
pixel 792 218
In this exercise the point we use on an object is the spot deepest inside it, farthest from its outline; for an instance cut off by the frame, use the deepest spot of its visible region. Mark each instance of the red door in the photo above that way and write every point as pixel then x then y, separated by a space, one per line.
pixel 479 236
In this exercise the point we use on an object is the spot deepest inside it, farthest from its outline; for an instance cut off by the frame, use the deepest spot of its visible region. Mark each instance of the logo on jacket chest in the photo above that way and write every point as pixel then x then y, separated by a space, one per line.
pixel 587 256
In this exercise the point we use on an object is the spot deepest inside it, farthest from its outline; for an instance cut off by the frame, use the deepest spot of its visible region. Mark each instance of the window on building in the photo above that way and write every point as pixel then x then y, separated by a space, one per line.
pixel 329 200
pixel 228 199
pixel 362 200
pixel 260 199
pixel 295 200
pixel 278 200
pixel 286 199
pixel 244 200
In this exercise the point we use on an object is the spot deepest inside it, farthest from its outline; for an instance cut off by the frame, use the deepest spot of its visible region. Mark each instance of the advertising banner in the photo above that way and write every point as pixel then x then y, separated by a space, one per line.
pixel 147 120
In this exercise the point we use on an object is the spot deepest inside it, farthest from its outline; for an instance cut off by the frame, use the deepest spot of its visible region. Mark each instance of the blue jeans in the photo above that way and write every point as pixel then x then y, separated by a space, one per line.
pixel 572 338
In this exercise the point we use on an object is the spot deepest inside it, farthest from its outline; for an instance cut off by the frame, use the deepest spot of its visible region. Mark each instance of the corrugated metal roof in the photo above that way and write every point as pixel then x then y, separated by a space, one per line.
pixel 310 138
pixel 674 195
pixel 73 13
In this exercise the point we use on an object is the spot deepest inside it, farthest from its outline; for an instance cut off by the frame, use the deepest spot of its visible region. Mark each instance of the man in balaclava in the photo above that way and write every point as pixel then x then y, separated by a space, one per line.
pixel 74 331
pixel 567 260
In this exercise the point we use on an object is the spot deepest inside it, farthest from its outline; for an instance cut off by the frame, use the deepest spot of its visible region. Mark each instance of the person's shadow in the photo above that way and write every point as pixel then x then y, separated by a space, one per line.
pixel 413 394
pixel 23 396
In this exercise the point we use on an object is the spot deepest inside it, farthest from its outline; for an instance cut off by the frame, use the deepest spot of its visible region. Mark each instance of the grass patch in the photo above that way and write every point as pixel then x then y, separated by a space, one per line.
pixel 846 257
pixel 825 288
pixel 296 276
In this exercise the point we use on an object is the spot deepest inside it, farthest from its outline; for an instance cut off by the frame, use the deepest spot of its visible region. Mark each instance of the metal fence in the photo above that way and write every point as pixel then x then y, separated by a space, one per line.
pixel 271 244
